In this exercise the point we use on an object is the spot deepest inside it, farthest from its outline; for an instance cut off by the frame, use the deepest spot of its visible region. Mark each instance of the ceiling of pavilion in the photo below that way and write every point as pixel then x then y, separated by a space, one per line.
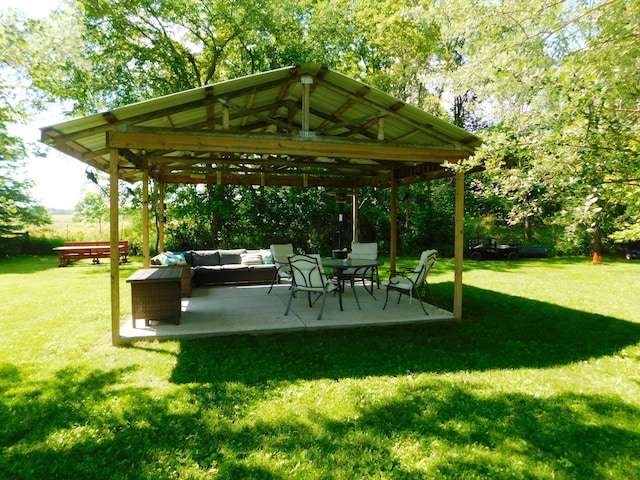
pixel 304 125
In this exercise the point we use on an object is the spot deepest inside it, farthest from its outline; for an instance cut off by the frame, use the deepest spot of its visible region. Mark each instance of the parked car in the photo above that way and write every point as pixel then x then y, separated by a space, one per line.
pixel 632 250
pixel 492 248
pixel 507 249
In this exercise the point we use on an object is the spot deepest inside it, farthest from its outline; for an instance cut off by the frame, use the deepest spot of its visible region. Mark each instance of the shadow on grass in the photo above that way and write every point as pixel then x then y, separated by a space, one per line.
pixel 241 407
pixel 87 425
pixel 505 332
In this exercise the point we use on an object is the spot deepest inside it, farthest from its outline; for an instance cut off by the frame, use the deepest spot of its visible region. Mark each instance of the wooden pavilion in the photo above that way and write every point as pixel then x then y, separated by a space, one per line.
pixel 303 126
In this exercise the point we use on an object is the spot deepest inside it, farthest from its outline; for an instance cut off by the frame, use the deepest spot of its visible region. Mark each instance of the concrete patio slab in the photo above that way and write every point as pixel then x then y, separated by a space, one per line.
pixel 248 309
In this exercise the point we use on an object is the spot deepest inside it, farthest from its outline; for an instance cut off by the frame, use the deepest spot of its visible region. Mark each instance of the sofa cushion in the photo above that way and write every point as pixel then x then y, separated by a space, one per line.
pixel 227 267
pixel 262 266
pixel 206 258
pixel 251 259
pixel 231 256
pixel 207 268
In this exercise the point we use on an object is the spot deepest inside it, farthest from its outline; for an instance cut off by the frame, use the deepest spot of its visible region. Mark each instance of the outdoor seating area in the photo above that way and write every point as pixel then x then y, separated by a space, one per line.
pixel 248 309
pixel 296 299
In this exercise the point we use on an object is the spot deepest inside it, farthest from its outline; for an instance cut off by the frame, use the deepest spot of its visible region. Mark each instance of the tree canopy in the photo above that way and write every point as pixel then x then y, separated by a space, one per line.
pixel 552 87
pixel 18 209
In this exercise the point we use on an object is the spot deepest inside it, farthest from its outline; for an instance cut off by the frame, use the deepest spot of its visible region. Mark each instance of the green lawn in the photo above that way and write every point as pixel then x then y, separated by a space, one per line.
pixel 543 381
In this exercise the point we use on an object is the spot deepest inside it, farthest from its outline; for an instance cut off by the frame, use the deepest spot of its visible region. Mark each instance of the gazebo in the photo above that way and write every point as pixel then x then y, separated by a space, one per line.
pixel 303 125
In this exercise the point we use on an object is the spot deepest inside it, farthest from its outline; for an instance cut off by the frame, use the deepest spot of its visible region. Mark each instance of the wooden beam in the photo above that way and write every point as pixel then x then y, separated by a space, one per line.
pixel 161 215
pixel 355 215
pixel 53 137
pixel 132 158
pixel 425 128
pixel 295 180
pixel 253 113
pixel 114 232
pixel 356 122
pixel 145 218
pixel 393 241
pixel 459 246
pixel 281 145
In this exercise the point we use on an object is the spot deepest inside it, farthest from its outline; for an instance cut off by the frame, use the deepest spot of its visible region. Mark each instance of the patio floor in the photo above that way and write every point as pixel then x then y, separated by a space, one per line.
pixel 248 309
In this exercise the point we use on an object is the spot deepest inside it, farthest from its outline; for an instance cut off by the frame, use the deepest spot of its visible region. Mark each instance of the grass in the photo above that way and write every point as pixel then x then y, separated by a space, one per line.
pixel 542 382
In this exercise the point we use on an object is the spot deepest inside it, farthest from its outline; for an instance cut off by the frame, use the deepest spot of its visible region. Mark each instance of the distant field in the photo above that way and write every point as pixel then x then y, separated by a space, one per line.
pixel 64 227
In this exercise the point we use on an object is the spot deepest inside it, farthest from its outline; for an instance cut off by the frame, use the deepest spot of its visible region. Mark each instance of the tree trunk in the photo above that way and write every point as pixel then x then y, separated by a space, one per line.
pixel 528 227
pixel 596 241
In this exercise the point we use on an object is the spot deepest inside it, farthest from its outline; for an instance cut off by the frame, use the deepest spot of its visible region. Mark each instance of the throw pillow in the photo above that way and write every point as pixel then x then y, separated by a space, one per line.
pixel 175 259
pixel 251 258
pixel 159 259
pixel 267 256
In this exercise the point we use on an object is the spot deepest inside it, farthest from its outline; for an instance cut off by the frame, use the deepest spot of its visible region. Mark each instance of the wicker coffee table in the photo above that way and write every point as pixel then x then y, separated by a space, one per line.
pixel 155 295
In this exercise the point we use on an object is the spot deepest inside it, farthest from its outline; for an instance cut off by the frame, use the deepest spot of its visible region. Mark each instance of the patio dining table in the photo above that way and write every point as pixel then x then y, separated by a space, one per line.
pixel 340 265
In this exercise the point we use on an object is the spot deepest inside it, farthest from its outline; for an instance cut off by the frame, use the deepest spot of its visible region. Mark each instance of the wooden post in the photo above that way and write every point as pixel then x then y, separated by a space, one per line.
pixel 115 254
pixel 161 215
pixel 394 224
pixel 459 246
pixel 145 218
pixel 355 216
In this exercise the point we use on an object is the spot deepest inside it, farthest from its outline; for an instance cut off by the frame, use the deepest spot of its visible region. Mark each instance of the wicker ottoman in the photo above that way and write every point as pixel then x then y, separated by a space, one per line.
pixel 155 295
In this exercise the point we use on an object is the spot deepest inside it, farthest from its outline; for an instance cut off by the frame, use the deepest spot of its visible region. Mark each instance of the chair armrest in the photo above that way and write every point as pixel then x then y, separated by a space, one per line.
pixel 406 271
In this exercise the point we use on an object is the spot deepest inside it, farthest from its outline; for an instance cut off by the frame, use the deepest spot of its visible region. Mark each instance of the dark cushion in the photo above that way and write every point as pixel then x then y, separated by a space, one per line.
pixel 206 258
pixel 208 268
pixel 188 256
pixel 263 266
pixel 234 266
pixel 231 256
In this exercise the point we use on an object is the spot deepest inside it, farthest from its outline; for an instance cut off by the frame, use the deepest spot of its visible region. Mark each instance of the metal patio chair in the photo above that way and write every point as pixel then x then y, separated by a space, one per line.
pixel 308 276
pixel 280 253
pixel 411 285
pixel 363 251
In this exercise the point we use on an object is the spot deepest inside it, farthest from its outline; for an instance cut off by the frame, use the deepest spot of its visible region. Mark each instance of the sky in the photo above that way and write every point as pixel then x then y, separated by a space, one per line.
pixel 59 179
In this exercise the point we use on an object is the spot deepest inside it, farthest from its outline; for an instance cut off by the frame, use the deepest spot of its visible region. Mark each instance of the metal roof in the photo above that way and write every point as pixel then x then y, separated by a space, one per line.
pixel 302 125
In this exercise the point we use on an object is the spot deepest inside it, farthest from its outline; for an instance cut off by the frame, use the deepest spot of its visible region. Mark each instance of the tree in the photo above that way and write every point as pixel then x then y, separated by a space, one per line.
pixel 559 83
pixel 551 86
pixel 18 209
pixel 93 208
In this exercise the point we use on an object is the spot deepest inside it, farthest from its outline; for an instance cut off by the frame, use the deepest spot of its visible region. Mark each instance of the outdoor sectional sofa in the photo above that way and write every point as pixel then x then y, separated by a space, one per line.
pixel 219 267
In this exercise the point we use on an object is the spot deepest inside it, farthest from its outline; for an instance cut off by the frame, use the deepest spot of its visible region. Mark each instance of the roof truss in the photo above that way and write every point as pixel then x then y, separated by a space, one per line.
pixel 303 125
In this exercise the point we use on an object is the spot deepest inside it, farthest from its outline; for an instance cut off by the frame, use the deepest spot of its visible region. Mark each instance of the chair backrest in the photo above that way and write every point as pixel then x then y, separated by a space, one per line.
pixel 427 259
pixel 281 252
pixel 307 272
pixel 364 251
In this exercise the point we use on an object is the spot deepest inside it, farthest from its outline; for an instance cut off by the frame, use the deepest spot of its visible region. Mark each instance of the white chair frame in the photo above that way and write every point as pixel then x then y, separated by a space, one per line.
pixel 280 253
pixel 309 276
pixel 411 285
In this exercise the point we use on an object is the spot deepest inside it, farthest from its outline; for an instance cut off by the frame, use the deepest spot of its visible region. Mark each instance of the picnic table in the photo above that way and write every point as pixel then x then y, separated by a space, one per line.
pixel 94 250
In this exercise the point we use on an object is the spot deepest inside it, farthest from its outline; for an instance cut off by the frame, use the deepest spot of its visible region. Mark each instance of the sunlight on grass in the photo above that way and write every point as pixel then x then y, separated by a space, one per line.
pixel 543 382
